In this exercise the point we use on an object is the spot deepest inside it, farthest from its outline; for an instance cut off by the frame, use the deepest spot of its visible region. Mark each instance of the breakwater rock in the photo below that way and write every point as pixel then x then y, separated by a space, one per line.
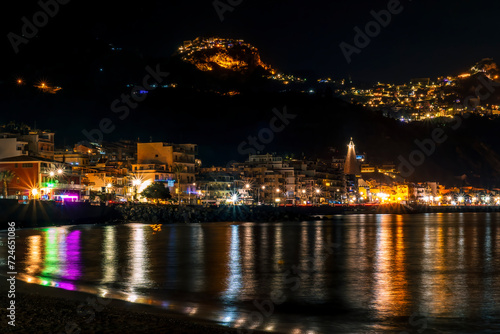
pixel 197 214
pixel 37 213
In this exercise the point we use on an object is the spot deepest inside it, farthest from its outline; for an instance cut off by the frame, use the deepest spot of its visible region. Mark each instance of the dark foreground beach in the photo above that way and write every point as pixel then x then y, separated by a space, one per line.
pixel 42 309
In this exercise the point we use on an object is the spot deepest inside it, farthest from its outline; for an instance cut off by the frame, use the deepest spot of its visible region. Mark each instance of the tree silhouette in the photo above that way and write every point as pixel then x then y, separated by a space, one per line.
pixel 178 169
pixel 156 191
pixel 5 177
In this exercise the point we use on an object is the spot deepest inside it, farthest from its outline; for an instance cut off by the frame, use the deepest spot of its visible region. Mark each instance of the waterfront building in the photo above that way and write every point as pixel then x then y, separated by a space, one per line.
pixel 40 143
pixel 174 164
pixel 40 178
pixel 12 147
pixel 21 140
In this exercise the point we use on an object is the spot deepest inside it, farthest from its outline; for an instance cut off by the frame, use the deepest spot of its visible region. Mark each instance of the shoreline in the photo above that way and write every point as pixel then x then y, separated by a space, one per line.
pixel 41 309
pixel 47 214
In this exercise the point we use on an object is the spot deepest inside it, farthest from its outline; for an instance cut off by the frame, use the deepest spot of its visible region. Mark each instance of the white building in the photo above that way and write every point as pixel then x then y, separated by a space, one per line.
pixel 12 147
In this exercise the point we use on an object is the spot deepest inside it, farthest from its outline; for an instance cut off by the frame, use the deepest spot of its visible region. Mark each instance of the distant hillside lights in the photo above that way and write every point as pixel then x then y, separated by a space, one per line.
pixel 372 29
pixel 207 54
pixel 427 147
pixel 50 8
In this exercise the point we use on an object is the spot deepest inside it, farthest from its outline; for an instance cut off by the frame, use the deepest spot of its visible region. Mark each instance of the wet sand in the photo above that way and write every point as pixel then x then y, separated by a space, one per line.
pixel 42 309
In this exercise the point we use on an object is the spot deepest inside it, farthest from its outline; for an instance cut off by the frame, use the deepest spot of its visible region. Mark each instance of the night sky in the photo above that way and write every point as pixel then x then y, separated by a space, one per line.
pixel 427 39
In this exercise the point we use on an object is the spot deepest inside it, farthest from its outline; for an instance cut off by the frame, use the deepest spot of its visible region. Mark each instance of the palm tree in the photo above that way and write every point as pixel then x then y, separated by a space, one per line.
pixel 5 177
pixel 178 169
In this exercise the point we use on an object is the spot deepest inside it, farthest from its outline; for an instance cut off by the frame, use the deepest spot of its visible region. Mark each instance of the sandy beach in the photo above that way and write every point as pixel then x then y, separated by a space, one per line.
pixel 42 309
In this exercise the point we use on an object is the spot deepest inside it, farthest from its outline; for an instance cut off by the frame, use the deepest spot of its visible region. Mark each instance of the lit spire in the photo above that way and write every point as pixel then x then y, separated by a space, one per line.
pixel 351 163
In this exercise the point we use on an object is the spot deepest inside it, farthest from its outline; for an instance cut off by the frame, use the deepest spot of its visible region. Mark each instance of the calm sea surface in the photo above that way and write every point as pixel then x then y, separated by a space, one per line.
pixel 424 273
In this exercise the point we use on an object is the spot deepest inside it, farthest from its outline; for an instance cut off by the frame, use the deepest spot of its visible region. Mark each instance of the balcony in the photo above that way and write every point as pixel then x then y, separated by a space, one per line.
pixel 193 151
pixel 184 159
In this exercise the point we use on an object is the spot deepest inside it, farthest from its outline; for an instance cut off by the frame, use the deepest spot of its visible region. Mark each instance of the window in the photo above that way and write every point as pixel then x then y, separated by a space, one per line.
pixel 27 165
pixel 16 166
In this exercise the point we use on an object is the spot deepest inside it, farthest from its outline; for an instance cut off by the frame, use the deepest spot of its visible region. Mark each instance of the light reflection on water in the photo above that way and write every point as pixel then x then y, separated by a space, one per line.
pixel 383 269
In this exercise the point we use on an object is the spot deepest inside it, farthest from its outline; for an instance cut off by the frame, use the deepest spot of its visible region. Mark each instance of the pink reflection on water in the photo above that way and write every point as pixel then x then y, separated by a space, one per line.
pixel 73 257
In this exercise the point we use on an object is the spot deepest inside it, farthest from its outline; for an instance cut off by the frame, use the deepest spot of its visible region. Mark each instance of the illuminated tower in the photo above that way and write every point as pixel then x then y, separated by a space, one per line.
pixel 351 163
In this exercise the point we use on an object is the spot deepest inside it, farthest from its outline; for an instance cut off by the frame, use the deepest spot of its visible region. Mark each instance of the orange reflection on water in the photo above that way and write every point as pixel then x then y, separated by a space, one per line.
pixel 391 282
pixel 34 258
pixel 436 283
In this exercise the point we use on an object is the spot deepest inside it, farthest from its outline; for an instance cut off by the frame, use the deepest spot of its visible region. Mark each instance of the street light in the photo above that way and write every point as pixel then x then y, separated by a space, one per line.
pixel 136 182
pixel 277 193
pixel 247 186
pixel 258 193
pixel 195 193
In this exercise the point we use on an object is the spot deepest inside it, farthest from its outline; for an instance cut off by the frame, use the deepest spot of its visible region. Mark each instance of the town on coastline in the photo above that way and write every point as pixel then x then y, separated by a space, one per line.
pixel 159 172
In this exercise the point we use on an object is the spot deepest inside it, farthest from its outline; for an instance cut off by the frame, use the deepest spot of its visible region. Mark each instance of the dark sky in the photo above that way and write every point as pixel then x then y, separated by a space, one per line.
pixel 428 38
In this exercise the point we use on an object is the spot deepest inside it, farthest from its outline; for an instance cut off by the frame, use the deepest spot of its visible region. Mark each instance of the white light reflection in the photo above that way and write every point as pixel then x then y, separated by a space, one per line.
pixel 278 261
pixel 139 261
pixel 248 264
pixel 62 252
pixel 488 298
pixel 304 243
pixel 234 280
pixel 264 247
pixel 319 255
pixel 197 259
pixel 109 252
